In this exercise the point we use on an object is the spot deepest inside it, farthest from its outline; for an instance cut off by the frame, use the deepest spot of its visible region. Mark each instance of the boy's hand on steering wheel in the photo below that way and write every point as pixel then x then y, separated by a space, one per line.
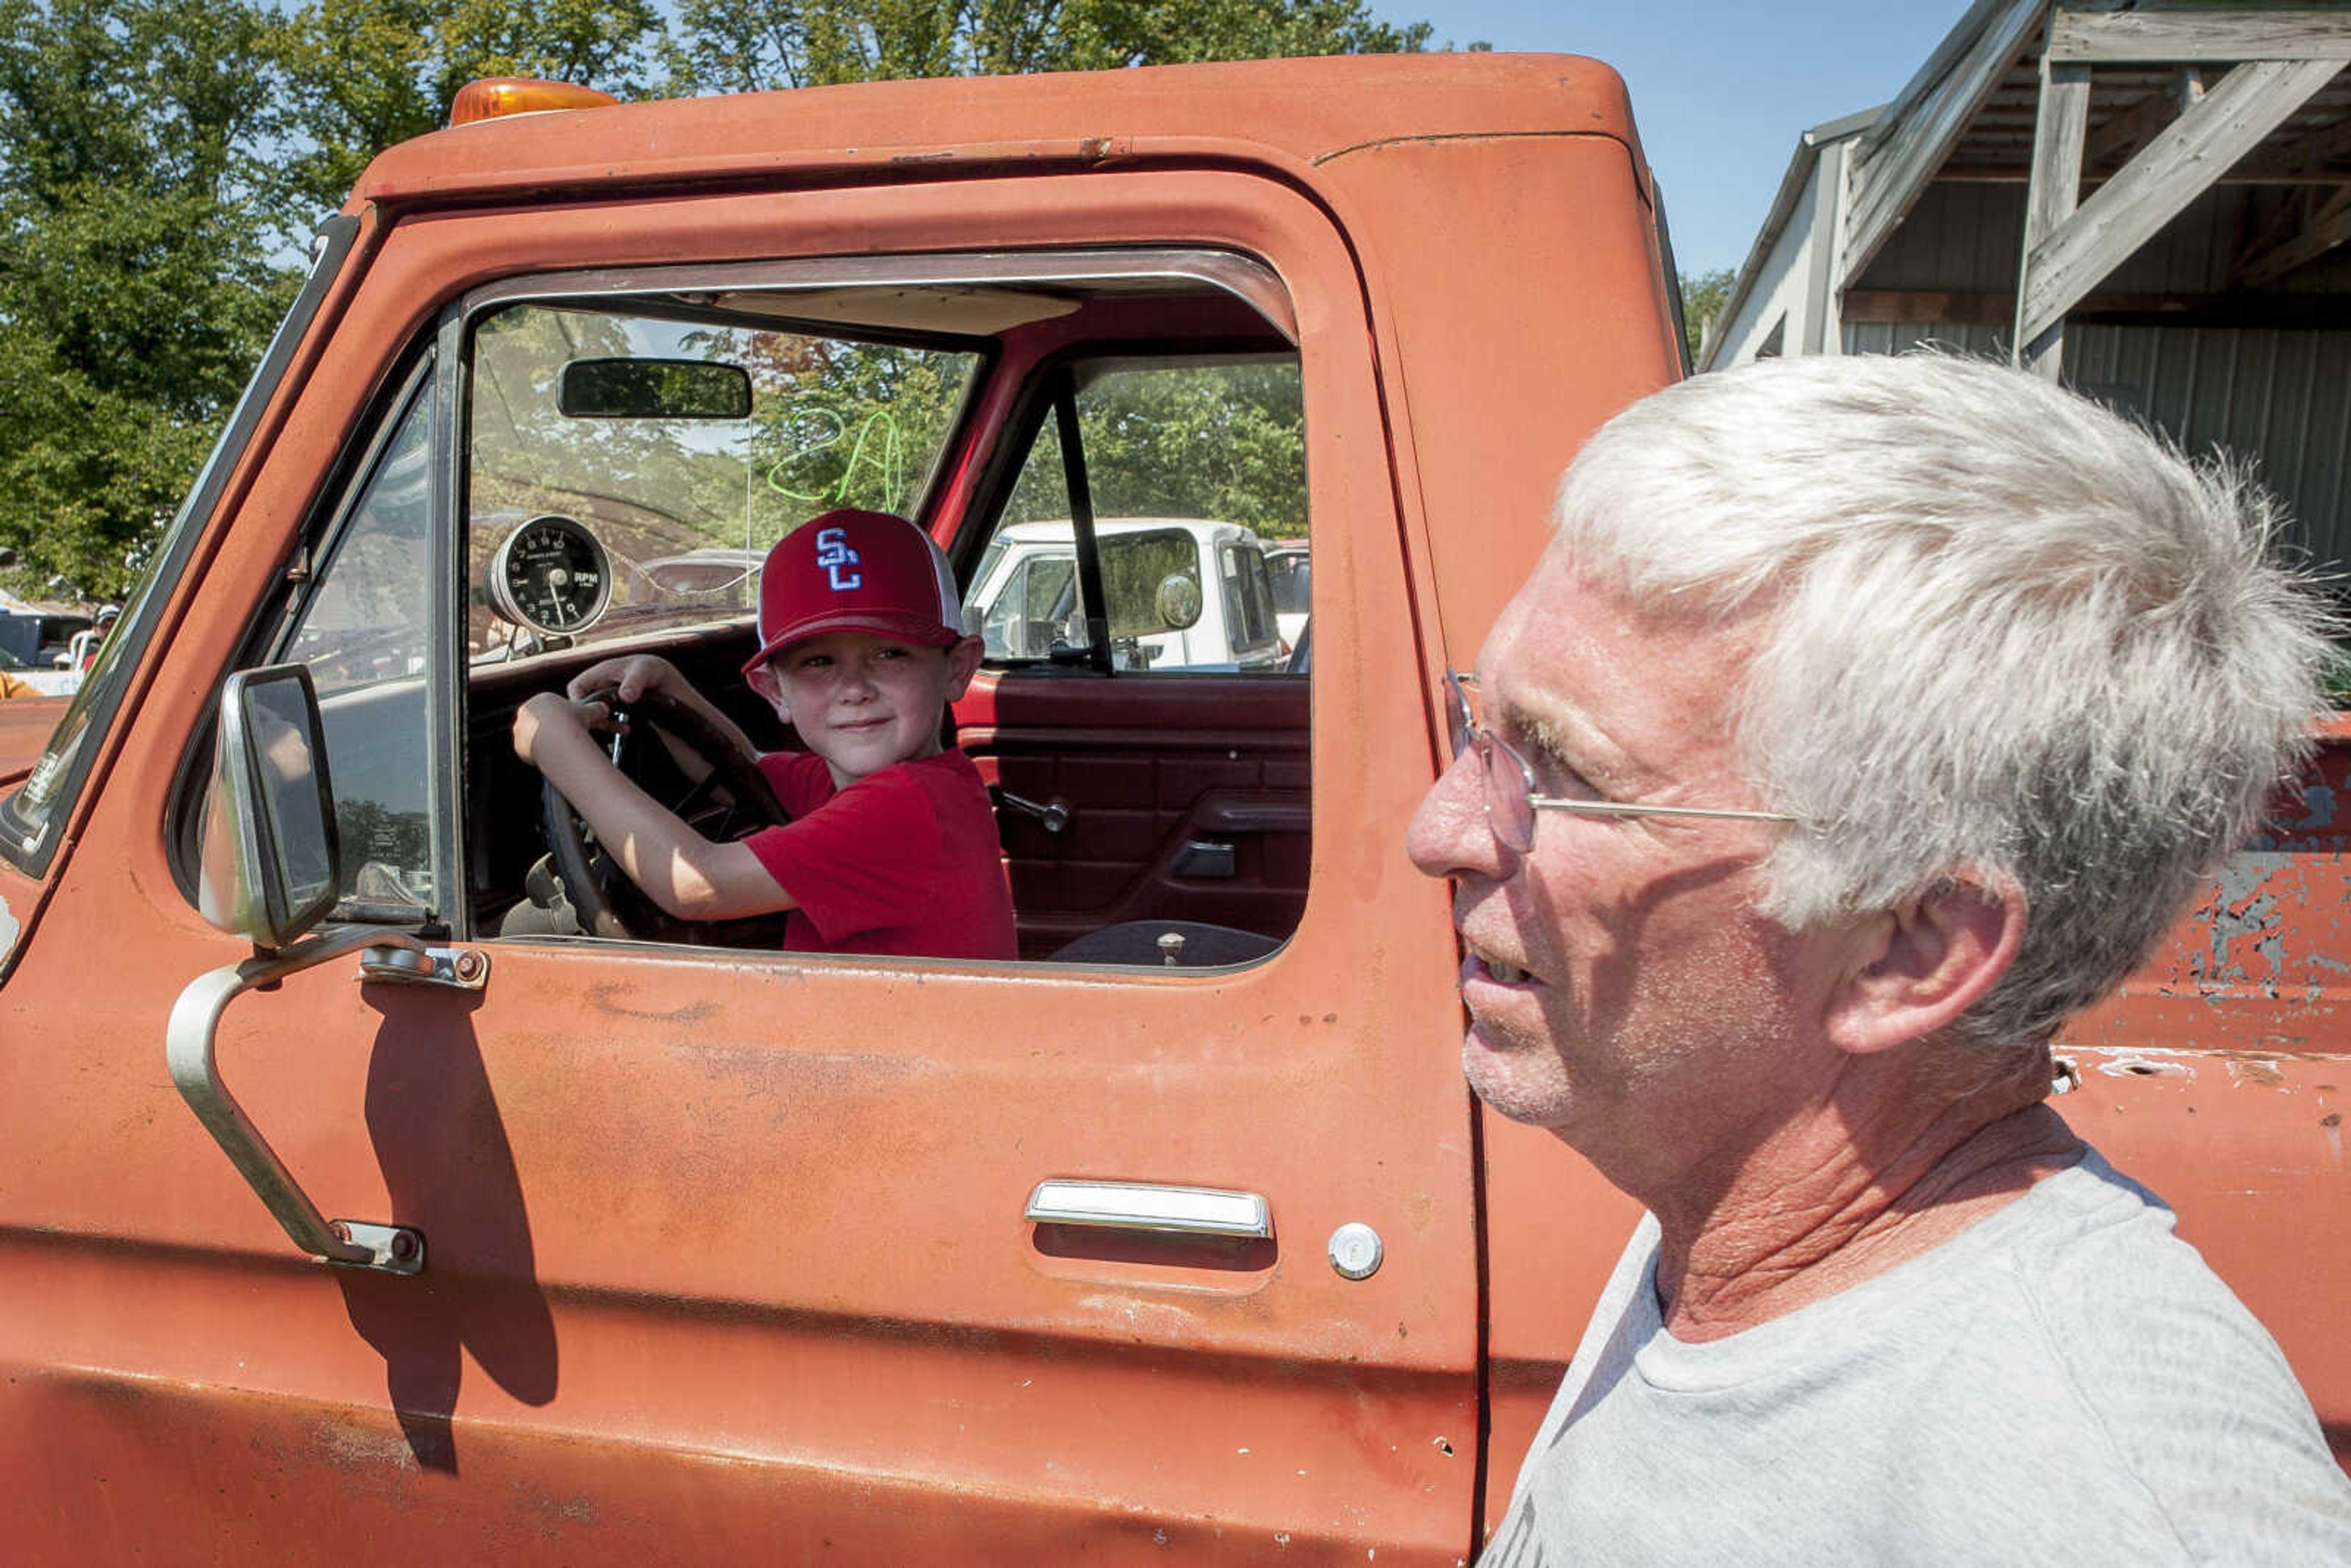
pixel 629 678
pixel 548 714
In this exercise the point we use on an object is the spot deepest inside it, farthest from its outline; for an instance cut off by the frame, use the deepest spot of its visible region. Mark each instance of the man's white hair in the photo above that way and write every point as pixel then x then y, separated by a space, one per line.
pixel 2008 633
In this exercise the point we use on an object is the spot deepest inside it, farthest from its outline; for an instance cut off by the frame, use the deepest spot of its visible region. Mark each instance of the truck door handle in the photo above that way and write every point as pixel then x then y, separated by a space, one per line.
pixel 1206 859
pixel 188 1044
pixel 1147 1206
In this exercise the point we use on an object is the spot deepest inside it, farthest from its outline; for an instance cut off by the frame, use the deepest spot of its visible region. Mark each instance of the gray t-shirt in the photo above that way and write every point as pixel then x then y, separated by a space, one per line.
pixel 2064 1382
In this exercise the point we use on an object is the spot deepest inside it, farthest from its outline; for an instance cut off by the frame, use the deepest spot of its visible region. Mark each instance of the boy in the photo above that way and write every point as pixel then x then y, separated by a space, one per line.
pixel 891 844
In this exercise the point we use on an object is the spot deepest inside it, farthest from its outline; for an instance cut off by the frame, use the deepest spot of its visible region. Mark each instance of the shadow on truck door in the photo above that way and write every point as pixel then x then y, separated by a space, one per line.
pixel 448 1163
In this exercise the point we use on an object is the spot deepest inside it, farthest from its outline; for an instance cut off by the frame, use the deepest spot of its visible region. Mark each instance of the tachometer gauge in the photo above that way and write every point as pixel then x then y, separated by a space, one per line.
pixel 552 575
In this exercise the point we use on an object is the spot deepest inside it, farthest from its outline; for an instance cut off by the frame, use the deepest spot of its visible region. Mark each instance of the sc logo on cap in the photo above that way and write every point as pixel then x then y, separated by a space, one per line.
pixel 834 554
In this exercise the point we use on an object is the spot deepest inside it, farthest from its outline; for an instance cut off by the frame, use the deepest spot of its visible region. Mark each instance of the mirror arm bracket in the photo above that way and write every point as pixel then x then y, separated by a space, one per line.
pixel 188 1044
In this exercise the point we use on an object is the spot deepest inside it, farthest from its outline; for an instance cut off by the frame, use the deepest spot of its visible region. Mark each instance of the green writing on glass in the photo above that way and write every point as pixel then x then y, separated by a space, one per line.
pixel 840 462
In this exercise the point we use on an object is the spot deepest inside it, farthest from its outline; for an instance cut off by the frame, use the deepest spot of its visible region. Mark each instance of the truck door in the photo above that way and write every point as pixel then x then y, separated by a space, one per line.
pixel 729 1255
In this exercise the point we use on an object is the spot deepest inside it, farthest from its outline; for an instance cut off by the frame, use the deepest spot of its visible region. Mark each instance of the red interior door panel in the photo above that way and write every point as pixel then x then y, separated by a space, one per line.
pixel 1186 797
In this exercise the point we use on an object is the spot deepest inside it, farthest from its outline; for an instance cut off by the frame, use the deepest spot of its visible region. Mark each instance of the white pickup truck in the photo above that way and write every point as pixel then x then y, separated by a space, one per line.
pixel 1183 594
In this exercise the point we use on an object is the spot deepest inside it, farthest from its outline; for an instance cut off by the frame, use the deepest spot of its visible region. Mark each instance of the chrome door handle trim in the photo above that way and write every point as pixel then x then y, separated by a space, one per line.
pixel 1149 1206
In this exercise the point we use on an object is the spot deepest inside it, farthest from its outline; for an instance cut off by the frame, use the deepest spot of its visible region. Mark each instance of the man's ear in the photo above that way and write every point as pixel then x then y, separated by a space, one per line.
pixel 1915 969
pixel 962 662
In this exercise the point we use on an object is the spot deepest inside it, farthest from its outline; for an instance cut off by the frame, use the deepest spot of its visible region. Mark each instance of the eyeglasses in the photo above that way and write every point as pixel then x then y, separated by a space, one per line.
pixel 1509 783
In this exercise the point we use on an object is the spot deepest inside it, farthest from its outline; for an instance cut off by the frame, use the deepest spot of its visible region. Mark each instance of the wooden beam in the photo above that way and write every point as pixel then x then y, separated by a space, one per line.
pixel 2147 37
pixel 1910 141
pixel 2058 137
pixel 1909 307
pixel 1969 307
pixel 2260 169
pixel 1930 76
pixel 2153 188
pixel 1973 307
pixel 2325 225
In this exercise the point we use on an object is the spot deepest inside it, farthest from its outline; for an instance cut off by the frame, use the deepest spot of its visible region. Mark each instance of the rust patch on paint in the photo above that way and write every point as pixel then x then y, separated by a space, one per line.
pixel 360 1443
pixel 606 999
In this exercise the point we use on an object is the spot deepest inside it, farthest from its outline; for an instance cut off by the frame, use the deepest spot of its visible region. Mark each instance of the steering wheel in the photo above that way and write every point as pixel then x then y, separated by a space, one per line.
pixel 727 799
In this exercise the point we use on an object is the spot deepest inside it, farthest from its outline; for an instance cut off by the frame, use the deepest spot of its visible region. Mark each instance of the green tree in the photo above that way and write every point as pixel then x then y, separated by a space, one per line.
pixel 736 46
pixel 161 161
pixel 360 75
pixel 1226 442
pixel 135 287
pixel 1704 295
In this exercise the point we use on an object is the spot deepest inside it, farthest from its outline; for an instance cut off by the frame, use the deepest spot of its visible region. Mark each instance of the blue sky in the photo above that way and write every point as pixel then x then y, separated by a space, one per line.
pixel 1721 89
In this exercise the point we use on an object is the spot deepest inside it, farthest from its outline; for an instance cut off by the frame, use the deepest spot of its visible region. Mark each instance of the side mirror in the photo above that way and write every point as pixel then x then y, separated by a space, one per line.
pixel 271 861
pixel 1178 602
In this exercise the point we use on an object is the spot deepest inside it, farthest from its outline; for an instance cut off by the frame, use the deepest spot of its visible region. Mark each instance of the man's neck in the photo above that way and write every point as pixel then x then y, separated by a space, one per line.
pixel 1831 1200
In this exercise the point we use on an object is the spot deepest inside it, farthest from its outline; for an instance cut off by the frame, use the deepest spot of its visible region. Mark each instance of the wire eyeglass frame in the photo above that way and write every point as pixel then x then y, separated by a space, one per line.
pixel 1512 799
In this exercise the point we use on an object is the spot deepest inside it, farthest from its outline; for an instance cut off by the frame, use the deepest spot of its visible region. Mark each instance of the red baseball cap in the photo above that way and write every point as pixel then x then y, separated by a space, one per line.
pixel 849 570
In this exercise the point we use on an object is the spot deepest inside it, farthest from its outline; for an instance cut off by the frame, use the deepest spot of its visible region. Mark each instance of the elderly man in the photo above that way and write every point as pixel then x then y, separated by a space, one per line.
pixel 1866 717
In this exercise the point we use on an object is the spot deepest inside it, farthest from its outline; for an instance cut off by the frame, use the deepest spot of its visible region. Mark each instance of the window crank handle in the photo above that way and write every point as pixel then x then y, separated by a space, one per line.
pixel 1053 815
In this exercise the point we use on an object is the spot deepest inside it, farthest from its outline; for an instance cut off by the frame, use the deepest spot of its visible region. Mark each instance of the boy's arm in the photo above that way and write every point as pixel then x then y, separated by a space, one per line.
pixel 688 876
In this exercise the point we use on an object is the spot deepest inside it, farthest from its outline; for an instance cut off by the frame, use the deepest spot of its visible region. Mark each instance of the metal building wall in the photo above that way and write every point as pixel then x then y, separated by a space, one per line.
pixel 1959 237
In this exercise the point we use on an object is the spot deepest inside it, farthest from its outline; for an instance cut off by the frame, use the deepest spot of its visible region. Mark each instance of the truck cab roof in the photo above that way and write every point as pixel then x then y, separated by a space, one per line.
pixel 1309 112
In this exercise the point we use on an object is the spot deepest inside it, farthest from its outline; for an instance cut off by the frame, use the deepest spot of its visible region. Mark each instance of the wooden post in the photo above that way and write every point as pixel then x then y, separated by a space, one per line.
pixel 2058 129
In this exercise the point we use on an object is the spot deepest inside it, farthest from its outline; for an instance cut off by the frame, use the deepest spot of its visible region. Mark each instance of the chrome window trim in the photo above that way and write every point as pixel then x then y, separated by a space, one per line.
pixel 420 379
pixel 446 666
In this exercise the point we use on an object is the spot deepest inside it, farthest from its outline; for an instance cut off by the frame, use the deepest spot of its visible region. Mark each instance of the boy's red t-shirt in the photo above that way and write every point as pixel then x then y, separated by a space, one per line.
pixel 903 862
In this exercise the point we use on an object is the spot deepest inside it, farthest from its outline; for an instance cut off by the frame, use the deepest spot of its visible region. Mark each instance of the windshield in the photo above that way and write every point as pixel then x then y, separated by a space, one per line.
pixel 593 522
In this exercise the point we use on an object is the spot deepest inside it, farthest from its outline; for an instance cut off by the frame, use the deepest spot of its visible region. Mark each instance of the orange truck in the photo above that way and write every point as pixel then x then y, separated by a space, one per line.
pixel 381 1181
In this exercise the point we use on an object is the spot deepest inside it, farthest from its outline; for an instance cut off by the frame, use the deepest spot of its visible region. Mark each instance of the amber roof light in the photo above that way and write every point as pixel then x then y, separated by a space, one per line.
pixel 491 98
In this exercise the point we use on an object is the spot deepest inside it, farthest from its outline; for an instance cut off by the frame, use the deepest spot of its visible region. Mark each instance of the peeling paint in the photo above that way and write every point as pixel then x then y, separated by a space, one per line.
pixel 2243 922
pixel 2331 1126
pixel 9 931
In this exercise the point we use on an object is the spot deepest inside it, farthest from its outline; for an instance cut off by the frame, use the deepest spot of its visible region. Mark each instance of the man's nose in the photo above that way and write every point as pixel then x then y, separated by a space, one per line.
pixel 1449 836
